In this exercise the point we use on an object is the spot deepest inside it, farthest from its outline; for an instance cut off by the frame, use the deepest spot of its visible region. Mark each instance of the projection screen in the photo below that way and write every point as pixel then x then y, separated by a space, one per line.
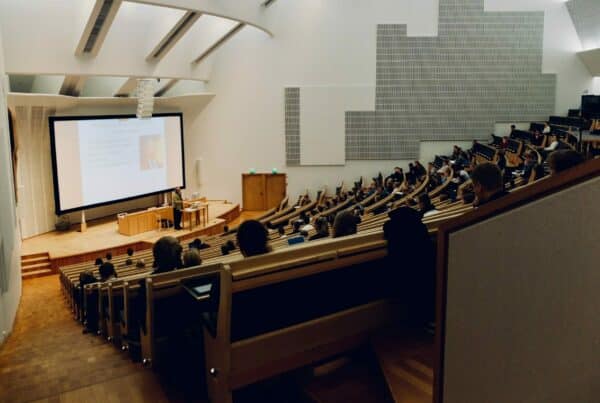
pixel 99 160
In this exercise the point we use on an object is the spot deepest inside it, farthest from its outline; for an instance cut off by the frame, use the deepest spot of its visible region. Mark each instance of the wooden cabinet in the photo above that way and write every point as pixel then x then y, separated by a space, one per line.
pixel 263 191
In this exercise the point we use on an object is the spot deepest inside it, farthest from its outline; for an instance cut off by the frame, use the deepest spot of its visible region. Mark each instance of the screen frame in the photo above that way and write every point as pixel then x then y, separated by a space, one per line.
pixel 51 119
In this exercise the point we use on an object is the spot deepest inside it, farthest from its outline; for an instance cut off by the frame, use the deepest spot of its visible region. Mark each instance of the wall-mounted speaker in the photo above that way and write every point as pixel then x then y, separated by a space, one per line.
pixel 199 171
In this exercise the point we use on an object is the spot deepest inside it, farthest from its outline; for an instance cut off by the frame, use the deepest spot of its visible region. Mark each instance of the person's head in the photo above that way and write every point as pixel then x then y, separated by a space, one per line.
pixel 487 180
pixel 513 128
pixel 322 226
pixel 296 226
pixel 195 244
pixel 129 251
pixel 191 258
pixel 411 165
pixel 425 204
pixel 225 228
pixel 167 254
pixel 404 229
pixel 252 238
pixel 397 170
pixel 230 245
pixel 98 261
pixel 345 223
pixel 140 264
pixel 562 160
pixel 128 262
pixel 107 270
pixel 306 219
pixel 178 190
pixel 108 256
pixel 281 230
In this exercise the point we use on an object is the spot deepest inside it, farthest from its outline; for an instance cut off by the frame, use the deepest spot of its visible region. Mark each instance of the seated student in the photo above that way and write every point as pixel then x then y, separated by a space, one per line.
pixel 487 183
pixel 191 258
pixel 140 264
pixel 412 176
pixel 529 165
pixel 411 256
pixel 426 208
pixel 296 226
pixel 167 255
pixel 87 277
pixel 396 176
pixel 455 152
pixel 198 244
pixel 547 128
pixel 107 271
pixel 129 260
pixel 463 159
pixel 537 139
pixel 545 151
pixel 420 170
pixel 322 227
pixel 562 160
pixel 444 171
pixel 345 224
pixel 252 238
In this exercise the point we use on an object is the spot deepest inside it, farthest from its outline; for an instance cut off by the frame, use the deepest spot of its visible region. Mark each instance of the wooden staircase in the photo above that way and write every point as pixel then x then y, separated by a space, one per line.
pixel 36 265
pixel 406 361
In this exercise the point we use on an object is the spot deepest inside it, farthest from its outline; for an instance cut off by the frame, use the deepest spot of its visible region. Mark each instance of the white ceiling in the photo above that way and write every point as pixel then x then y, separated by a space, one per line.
pixel 39 57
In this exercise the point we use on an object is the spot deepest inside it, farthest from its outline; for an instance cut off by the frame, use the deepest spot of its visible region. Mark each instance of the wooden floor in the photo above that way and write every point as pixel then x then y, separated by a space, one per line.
pixel 103 234
pixel 47 359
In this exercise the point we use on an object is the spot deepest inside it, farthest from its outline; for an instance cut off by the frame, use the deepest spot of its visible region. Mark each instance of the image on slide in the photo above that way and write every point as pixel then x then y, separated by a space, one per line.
pixel 152 152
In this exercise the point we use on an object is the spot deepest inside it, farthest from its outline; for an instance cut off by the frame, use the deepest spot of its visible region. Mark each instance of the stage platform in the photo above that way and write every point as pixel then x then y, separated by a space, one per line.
pixel 102 235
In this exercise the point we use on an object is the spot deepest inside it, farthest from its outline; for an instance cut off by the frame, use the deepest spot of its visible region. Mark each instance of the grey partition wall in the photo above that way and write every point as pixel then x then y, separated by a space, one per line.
pixel 482 68
pixel 522 317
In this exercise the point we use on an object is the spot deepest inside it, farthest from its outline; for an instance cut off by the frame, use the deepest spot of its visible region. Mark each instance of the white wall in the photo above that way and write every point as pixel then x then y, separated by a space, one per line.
pixel 330 43
pixel 10 275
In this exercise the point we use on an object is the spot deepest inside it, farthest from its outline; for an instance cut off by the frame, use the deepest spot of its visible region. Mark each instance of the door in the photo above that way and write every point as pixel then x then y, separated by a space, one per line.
pixel 276 190
pixel 253 192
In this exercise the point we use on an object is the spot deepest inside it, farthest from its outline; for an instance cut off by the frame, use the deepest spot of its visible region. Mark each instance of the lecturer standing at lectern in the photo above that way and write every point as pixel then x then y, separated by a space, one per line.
pixel 177 207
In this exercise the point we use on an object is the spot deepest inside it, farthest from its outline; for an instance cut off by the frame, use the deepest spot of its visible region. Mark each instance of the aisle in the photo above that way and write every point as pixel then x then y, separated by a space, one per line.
pixel 46 357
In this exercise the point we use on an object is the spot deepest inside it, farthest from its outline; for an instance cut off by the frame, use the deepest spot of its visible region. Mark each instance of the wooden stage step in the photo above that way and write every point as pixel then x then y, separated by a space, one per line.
pixel 36 265
pixel 407 364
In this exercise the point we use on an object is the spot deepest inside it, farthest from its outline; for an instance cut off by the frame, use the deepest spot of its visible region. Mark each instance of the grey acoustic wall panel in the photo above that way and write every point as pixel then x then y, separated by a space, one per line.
pixel 586 18
pixel 482 68
pixel 292 126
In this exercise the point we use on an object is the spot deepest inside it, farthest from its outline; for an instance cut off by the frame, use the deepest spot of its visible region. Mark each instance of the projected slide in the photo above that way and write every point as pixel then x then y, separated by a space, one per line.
pixel 103 160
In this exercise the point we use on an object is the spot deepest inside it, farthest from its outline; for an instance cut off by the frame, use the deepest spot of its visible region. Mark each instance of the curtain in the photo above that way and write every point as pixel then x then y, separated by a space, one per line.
pixel 34 170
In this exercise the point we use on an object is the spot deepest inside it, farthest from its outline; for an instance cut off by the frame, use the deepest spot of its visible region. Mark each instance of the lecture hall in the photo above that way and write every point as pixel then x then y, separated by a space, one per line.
pixel 300 201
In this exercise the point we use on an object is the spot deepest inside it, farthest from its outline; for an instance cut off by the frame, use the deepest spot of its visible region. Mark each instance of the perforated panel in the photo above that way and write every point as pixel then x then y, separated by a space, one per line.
pixel 482 68
pixel 292 126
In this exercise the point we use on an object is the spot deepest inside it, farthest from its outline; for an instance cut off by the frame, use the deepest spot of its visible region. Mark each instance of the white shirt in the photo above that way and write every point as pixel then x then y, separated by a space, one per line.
pixel 552 146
